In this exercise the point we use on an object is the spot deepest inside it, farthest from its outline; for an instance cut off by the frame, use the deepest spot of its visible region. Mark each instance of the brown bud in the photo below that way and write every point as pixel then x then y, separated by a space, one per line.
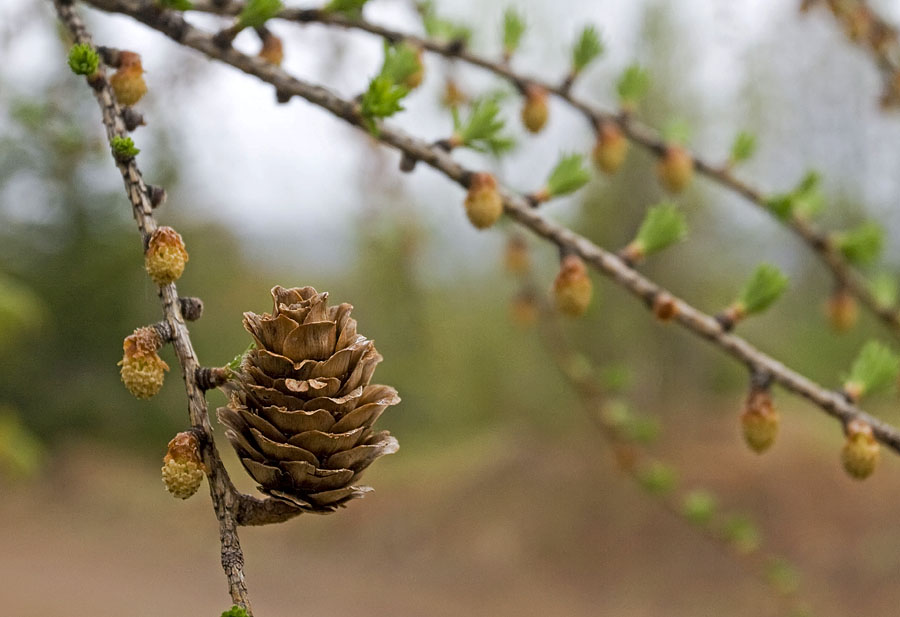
pixel 842 310
pixel 611 148
pixel 272 50
pixel 128 81
pixel 516 258
pixel 665 307
pixel 165 256
pixel 860 452
pixel 183 469
pixel 759 420
pixel 535 110
pixel 676 169
pixel 142 369
pixel 483 203
pixel 572 289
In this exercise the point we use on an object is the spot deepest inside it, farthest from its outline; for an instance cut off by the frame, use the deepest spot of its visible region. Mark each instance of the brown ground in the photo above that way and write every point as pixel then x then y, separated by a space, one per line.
pixel 502 527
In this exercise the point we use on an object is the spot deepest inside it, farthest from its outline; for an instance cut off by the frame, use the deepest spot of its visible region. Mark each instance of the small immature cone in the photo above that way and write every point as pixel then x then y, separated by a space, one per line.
pixel 842 310
pixel 535 110
pixel 516 258
pixel 183 469
pixel 143 371
pixel 676 169
pixel 272 49
pixel 483 203
pixel 759 421
pixel 165 256
pixel 572 289
pixel 128 81
pixel 611 148
pixel 860 452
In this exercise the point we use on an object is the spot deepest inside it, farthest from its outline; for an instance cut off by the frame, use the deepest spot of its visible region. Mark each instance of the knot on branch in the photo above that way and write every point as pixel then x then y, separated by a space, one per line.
pixel 208 378
pixel 191 308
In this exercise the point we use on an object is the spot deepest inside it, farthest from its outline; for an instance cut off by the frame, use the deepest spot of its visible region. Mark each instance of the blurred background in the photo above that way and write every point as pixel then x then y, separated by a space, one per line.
pixel 504 498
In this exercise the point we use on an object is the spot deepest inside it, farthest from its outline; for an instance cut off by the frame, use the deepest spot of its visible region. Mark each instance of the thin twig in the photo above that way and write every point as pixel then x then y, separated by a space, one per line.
pixel 845 276
pixel 231 508
pixel 516 207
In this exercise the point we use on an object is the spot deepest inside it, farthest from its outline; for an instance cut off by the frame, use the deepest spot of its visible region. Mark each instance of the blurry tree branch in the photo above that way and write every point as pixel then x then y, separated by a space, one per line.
pixel 868 30
pixel 231 507
pixel 818 240
pixel 517 207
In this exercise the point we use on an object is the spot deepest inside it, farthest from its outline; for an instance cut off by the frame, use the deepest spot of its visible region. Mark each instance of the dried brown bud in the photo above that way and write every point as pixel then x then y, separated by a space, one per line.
pixel 483 203
pixel 676 169
pixel 572 289
pixel 272 49
pixel 128 81
pixel 414 80
pixel 665 307
pixel 535 110
pixel 143 371
pixel 453 96
pixel 611 148
pixel 759 421
pixel 842 310
pixel 860 452
pixel 183 469
pixel 165 256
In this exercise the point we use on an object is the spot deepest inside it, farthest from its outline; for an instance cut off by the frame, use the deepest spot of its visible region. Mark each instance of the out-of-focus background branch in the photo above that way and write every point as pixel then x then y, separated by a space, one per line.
pixel 499 501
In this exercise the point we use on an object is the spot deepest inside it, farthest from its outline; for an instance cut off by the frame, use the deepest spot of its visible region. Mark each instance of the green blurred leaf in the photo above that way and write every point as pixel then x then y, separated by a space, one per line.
pixel 440 29
pixel 381 100
pixel 256 13
pixel 616 377
pixel 764 287
pixel 569 175
pixel 482 128
pixel 350 8
pixel 885 289
pixel 633 85
pixel 804 201
pixel 657 478
pixel 699 507
pixel 514 27
pixel 676 132
pixel 742 533
pixel 743 147
pixel 20 310
pixel 401 62
pixel 863 244
pixel 587 48
pixel 643 430
pixel 663 226
pixel 875 368
pixel 21 454
pixel 178 5
pixel 782 576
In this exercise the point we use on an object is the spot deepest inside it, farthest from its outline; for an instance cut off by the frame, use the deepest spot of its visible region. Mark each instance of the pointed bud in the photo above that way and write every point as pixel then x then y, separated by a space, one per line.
pixel 272 49
pixel 128 81
pixel 453 96
pixel 860 452
pixel 524 309
pixel 572 289
pixel 165 256
pixel 676 169
pixel 516 258
pixel 535 110
pixel 182 470
pixel 142 369
pixel 842 310
pixel 483 203
pixel 759 421
pixel 611 148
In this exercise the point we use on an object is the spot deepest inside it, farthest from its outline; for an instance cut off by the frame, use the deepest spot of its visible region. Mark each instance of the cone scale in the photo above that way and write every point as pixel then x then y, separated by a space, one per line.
pixel 302 408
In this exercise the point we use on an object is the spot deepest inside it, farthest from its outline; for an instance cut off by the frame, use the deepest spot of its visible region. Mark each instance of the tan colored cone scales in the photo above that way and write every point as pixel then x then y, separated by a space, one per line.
pixel 302 407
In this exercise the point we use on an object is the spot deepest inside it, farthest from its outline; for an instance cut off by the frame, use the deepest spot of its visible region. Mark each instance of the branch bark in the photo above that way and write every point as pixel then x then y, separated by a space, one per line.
pixel 817 240
pixel 516 207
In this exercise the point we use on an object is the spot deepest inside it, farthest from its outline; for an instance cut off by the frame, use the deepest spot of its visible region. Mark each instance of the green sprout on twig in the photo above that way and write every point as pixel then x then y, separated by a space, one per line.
pixel 861 245
pixel 663 226
pixel 587 48
pixel 83 59
pixel 742 148
pixel 482 128
pixel 875 368
pixel 514 27
pixel 632 86
pixel 123 148
pixel 256 13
